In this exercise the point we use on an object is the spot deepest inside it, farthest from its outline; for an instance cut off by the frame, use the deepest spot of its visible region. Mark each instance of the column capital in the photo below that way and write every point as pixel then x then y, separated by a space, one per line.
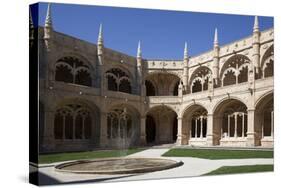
pixel 143 117
pixel 251 109
pixel 179 118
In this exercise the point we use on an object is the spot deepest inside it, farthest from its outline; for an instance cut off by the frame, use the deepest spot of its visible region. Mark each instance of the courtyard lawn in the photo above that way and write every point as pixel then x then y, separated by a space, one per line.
pixel 218 154
pixel 57 157
pixel 241 169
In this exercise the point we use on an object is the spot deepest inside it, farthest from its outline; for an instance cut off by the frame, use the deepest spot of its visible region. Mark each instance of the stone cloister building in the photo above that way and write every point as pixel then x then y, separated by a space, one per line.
pixel 94 97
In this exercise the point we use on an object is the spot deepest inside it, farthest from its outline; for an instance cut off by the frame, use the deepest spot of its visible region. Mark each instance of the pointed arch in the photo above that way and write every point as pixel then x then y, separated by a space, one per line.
pixel 71 69
pixel 199 79
pixel 118 80
pixel 267 63
pixel 235 70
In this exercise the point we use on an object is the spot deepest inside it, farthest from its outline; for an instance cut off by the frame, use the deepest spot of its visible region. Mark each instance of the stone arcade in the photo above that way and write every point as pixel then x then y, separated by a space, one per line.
pixel 94 97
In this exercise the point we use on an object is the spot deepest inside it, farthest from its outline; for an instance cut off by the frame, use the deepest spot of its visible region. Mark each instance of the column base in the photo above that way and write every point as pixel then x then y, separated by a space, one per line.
pixel 103 142
pixel 251 139
pixel 181 140
pixel 143 140
pixel 210 140
pixel 48 145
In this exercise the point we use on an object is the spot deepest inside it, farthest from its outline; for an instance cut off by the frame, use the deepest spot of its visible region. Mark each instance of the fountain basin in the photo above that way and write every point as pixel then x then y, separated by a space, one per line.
pixel 118 165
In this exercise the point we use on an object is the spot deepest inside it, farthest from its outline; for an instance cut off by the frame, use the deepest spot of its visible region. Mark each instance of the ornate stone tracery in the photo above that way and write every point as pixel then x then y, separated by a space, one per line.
pixel 235 70
pixel 72 70
pixel 118 80
pixel 73 121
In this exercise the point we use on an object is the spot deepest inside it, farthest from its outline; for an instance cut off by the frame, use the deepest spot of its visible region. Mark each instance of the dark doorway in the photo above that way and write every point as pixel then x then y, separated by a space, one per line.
pixel 175 129
pixel 150 129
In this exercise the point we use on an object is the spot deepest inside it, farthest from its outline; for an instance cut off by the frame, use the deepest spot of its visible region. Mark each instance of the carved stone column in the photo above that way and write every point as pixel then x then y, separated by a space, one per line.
pixel 251 128
pixel 49 138
pixel 181 137
pixel 142 131
pixel 103 130
pixel 210 134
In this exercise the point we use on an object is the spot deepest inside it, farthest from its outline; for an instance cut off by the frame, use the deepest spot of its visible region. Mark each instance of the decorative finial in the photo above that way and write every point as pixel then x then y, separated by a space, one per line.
pixel 48 21
pixel 216 41
pixel 256 24
pixel 139 50
pixel 185 51
pixel 100 37
pixel 31 26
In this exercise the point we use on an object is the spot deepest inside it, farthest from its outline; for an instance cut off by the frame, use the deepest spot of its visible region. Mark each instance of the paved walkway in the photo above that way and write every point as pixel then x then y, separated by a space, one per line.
pixel 191 167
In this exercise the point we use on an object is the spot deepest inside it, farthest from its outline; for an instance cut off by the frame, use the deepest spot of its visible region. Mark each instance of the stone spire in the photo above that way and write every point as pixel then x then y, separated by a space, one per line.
pixel 31 29
pixel 100 37
pixel 256 51
pixel 141 83
pixel 216 41
pixel 48 29
pixel 139 50
pixel 185 51
pixel 48 20
pixel 100 42
pixel 256 25
pixel 31 25
pixel 215 64
pixel 185 68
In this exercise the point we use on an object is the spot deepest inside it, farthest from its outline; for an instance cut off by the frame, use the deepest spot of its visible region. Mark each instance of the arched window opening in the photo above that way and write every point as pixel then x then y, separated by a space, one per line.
pixel 64 74
pixel 72 70
pixel 196 86
pixel 229 78
pixel 72 122
pixel 118 80
pixel 205 85
pixel 243 74
pixel 199 124
pixel 200 79
pixel 125 86
pixel 235 70
pixel 234 122
pixel 269 69
pixel 176 89
pixel 83 78
pixel 150 90
pixel 267 62
pixel 119 124
pixel 235 125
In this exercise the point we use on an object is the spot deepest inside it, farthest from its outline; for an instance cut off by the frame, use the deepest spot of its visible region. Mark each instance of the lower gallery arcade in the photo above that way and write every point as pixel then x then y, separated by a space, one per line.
pixel 81 125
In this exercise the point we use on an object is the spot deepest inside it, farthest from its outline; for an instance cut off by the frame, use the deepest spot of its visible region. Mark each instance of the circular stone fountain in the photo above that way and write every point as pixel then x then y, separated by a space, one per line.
pixel 118 165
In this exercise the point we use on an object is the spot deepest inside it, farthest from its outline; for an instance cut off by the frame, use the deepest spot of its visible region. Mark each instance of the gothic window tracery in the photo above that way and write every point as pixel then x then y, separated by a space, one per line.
pixel 200 80
pixel 119 124
pixel 267 63
pixel 199 124
pixel 72 70
pixel 72 122
pixel 118 80
pixel 235 70
pixel 234 122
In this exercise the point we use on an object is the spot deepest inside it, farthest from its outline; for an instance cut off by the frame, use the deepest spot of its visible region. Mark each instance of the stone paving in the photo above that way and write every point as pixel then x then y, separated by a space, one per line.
pixel 191 167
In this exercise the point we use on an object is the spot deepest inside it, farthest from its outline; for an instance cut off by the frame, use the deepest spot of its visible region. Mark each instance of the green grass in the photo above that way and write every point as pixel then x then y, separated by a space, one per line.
pixel 218 154
pixel 241 169
pixel 51 158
